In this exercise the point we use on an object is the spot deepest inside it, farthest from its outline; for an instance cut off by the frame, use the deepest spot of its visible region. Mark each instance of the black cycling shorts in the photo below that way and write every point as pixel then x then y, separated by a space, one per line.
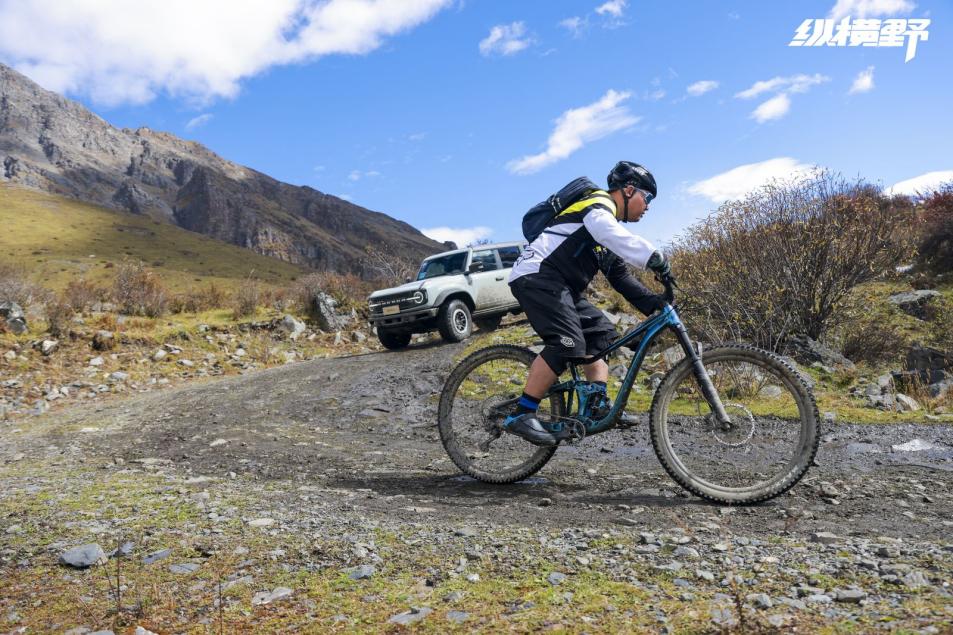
pixel 570 326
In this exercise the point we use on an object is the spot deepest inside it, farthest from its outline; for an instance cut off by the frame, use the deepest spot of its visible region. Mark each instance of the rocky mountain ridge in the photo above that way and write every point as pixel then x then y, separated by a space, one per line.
pixel 54 144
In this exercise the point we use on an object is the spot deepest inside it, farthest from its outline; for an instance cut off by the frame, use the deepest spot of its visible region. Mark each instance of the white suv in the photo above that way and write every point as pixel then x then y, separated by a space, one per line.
pixel 453 289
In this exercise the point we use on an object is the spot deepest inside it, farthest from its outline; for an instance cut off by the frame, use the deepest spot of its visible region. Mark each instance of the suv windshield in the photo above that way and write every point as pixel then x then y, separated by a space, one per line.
pixel 434 267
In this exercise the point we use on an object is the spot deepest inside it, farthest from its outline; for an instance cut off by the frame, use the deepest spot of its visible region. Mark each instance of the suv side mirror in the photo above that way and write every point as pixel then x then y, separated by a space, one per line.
pixel 475 267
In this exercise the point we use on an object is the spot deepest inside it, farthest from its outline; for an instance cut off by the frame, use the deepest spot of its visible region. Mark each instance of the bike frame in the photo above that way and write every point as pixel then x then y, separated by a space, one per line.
pixel 648 330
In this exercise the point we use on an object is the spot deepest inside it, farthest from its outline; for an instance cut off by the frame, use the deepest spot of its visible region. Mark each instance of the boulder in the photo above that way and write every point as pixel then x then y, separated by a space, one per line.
pixel 807 351
pixel 914 303
pixel 104 341
pixel 925 358
pixel 48 346
pixel 905 403
pixel 83 556
pixel 293 327
pixel 325 312
pixel 12 314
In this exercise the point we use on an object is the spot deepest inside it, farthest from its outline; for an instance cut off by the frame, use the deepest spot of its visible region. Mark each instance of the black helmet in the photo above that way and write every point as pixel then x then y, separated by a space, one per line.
pixel 628 173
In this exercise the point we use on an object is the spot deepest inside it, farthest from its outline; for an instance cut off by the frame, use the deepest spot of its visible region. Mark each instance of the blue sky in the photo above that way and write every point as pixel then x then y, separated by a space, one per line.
pixel 462 114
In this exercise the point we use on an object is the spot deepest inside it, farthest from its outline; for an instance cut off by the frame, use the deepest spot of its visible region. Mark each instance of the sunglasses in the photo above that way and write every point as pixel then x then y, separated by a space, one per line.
pixel 648 196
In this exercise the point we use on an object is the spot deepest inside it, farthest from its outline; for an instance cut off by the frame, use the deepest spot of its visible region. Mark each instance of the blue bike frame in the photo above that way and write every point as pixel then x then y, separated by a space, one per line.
pixel 648 330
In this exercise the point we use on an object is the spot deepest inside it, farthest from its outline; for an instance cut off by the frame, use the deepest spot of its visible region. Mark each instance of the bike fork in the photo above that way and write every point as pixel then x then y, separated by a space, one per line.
pixel 701 375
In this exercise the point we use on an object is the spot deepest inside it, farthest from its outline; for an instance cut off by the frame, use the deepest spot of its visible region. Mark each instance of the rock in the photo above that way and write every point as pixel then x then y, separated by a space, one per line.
pixel 556 578
pixel 104 341
pixel 119 376
pixel 806 351
pixel 924 358
pixel 12 314
pixel 48 346
pixel 363 572
pixel 188 363
pixel 10 356
pixel 262 522
pixel 156 556
pixel 771 392
pixel 829 416
pixel 412 616
pixel 940 389
pixel 143 631
pixel 159 355
pixel 185 567
pixel 914 303
pixel 466 532
pixel 760 600
pixel 916 445
pixel 267 597
pixel 708 576
pixel 458 617
pixel 825 538
pixel 686 552
pixel 852 596
pixel 83 556
pixel 293 327
pixel 905 403
pixel 97 361
pixel 324 308
pixel 358 337
pixel 819 598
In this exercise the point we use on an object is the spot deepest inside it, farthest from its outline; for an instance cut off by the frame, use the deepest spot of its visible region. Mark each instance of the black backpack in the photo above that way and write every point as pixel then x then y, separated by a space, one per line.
pixel 538 218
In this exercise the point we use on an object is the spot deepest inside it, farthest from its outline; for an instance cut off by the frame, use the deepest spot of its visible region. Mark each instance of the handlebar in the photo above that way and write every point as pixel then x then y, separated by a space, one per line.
pixel 669 283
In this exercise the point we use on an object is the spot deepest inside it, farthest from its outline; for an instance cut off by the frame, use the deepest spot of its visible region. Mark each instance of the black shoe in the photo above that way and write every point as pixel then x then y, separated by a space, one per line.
pixel 528 427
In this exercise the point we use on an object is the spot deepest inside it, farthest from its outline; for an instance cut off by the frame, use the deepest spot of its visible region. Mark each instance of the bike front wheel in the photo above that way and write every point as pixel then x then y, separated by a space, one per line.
pixel 478 395
pixel 768 447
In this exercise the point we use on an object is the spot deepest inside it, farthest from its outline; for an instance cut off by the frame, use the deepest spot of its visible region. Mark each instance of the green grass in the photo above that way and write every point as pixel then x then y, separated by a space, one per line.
pixel 58 239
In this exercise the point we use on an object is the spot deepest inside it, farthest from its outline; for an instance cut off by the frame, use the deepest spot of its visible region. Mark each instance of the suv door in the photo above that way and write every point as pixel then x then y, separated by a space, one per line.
pixel 489 285
pixel 508 256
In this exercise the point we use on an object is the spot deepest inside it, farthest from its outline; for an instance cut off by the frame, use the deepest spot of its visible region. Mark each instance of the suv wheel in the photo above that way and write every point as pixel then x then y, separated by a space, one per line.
pixel 454 321
pixel 489 323
pixel 393 340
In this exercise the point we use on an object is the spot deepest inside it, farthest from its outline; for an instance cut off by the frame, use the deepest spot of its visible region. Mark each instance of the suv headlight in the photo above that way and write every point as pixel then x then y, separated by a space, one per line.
pixel 419 297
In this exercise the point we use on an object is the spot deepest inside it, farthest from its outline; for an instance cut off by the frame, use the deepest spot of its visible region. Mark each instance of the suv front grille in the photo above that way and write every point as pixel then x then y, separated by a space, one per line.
pixel 404 301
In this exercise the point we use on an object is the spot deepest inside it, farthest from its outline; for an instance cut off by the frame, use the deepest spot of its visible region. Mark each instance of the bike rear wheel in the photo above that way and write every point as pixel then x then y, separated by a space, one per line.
pixel 774 435
pixel 478 395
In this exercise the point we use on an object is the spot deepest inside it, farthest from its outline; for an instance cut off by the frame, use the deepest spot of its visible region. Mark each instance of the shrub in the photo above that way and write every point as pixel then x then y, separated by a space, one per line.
pixel 138 291
pixel 935 249
pixel 781 260
pixel 194 300
pixel 349 291
pixel 81 294
pixel 59 312
pixel 246 299
pixel 869 331
pixel 15 286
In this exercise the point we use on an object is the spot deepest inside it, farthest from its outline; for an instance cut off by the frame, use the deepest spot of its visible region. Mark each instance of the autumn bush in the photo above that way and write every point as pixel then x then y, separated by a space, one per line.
pixel 246 299
pixel 59 313
pixel 198 299
pixel 935 248
pixel 781 260
pixel 15 286
pixel 349 291
pixel 80 294
pixel 137 290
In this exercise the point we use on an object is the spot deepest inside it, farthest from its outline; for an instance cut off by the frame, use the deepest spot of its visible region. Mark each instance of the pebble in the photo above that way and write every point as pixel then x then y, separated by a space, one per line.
pixel 458 617
pixel 185 567
pixel 412 616
pixel 760 600
pixel 262 522
pixel 156 556
pixel 363 572
pixel 556 577
pixel 83 556
pixel 854 596
pixel 825 538
pixel 266 597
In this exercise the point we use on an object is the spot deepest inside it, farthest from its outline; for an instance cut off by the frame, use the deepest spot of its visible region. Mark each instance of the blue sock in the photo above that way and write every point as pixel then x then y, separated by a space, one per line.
pixel 527 403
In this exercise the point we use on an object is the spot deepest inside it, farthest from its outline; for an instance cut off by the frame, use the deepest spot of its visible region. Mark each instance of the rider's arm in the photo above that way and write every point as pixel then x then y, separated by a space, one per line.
pixel 609 233
pixel 636 293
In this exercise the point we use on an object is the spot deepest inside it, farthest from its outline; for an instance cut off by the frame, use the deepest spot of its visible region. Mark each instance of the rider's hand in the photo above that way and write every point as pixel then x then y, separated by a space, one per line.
pixel 659 265
pixel 649 304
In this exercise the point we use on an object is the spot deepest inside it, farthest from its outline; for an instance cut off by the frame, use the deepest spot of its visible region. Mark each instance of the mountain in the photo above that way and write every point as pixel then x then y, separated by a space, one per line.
pixel 54 144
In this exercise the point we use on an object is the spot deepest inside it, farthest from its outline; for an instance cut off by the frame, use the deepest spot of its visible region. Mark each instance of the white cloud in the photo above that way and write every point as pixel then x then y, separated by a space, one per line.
pixel 869 8
pixel 774 108
pixel 196 122
pixel 793 84
pixel 129 52
pixel 506 39
pixel 921 184
pixel 462 236
pixel 357 175
pixel 612 7
pixel 701 87
pixel 864 82
pixel 780 104
pixel 737 182
pixel 417 136
pixel 576 127
pixel 575 25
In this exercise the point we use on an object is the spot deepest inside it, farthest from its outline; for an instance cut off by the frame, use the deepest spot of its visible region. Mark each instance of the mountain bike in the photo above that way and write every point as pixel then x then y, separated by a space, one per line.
pixel 733 424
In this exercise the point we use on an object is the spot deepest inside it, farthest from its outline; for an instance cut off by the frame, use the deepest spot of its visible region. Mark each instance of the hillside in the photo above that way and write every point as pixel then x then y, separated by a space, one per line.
pixel 56 145
pixel 57 238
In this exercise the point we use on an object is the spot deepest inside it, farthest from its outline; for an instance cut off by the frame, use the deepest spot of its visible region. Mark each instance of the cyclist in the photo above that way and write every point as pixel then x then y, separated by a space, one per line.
pixel 553 271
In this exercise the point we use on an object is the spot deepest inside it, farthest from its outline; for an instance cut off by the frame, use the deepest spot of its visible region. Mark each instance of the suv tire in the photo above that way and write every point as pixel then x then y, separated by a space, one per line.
pixel 393 340
pixel 454 321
